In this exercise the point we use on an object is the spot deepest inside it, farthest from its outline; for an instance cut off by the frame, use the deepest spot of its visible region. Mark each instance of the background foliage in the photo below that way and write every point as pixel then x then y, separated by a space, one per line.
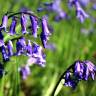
pixel 71 44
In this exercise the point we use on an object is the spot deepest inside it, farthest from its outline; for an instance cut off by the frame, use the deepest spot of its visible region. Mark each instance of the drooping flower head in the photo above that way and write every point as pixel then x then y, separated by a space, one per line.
pixel 80 13
pixel 4 22
pixel 24 47
pixel 19 48
pixel 90 69
pixel 13 26
pixel 4 53
pixel 54 6
pixel 34 26
pixel 57 8
pixel 69 81
pixel 80 70
pixel 45 32
pixel 23 24
pixel 10 48
pixel 29 48
pixel 23 42
pixel 1 38
pixel 24 71
pixel 39 55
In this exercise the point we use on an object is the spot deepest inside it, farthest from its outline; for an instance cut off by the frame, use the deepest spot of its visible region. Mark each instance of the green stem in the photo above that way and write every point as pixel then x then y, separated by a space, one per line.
pixel 62 76
pixel 28 13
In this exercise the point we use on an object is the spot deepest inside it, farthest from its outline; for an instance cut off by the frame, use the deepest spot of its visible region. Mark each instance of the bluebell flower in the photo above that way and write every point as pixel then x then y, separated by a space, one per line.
pixel 38 57
pixel 48 6
pixel 41 61
pixel 60 16
pixel 79 69
pixel 34 26
pixel 85 73
pixel 13 26
pixel 29 48
pixel 84 3
pixel 4 22
pixel 22 40
pixel 91 68
pixel 68 80
pixel 10 48
pixel 51 46
pixel 4 53
pixel 57 8
pixel 36 60
pixel 19 48
pixel 24 71
pixel 54 7
pixel 1 38
pixel 45 32
pixel 31 60
pixel 23 24
pixel 84 70
pixel 80 13
pixel 37 50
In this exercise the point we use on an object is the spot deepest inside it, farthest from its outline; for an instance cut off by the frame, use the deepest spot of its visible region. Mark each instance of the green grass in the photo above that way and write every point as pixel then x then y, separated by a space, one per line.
pixel 71 45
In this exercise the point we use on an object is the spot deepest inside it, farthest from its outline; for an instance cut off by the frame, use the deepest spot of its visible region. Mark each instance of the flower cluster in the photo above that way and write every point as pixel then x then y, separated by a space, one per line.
pixel 23 46
pixel 80 13
pixel 54 7
pixel 80 70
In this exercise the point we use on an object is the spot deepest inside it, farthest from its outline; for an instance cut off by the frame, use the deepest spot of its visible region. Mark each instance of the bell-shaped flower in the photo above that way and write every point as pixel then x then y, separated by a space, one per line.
pixel 79 69
pixel 4 22
pixel 1 38
pixel 10 48
pixel 91 68
pixel 24 71
pixel 19 50
pixel 80 13
pixel 29 48
pixel 4 53
pixel 23 24
pixel 68 81
pixel 13 26
pixel 34 26
pixel 45 32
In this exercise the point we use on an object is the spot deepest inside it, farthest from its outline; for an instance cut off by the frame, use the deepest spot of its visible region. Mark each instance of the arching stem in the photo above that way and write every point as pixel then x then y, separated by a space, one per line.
pixel 25 12
pixel 62 77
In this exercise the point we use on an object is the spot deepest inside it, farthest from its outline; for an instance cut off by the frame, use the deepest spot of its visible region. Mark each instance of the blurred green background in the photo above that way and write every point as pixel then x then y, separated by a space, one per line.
pixel 71 44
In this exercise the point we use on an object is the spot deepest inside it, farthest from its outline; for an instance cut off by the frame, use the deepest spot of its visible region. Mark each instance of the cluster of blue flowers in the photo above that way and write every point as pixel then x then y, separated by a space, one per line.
pixel 23 46
pixel 54 7
pixel 61 14
pixel 80 70
pixel 80 13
